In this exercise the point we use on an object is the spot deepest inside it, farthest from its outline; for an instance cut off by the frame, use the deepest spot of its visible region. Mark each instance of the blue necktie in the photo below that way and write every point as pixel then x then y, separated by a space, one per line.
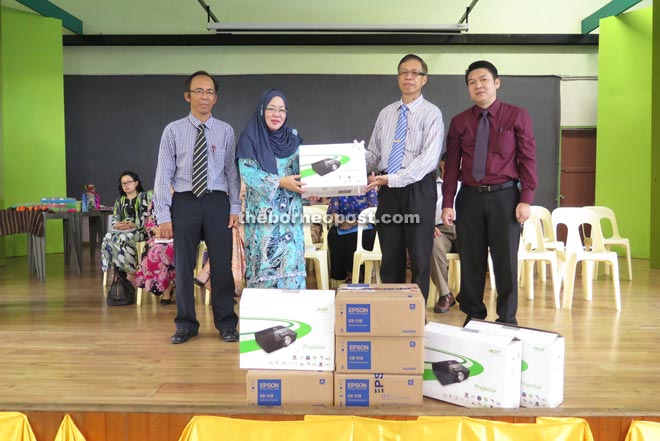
pixel 481 147
pixel 395 159
pixel 199 174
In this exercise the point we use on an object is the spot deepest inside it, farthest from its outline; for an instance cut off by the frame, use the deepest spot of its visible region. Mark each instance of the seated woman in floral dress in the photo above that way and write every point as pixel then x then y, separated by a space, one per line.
pixel 118 250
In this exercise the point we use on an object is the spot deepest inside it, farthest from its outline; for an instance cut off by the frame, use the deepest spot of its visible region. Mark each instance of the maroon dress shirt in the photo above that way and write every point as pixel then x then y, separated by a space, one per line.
pixel 511 151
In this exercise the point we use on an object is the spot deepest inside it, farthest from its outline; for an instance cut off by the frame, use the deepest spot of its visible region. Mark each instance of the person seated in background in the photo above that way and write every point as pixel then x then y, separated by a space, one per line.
pixel 342 237
pixel 445 241
pixel 156 273
pixel 118 249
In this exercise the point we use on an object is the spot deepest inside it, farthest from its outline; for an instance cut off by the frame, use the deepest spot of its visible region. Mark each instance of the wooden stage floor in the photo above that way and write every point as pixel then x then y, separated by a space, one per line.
pixel 64 350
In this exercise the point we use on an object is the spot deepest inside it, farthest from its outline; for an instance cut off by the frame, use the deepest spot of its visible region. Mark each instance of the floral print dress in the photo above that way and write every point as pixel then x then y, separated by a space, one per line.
pixel 274 240
pixel 156 271
pixel 118 247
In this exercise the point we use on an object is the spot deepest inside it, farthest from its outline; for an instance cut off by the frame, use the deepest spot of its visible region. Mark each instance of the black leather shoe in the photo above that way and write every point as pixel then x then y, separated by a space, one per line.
pixel 182 336
pixel 444 303
pixel 229 335
pixel 165 301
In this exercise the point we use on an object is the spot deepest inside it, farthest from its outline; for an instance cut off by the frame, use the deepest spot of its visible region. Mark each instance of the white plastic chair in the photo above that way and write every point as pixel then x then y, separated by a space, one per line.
pixel 573 218
pixel 201 252
pixel 615 239
pixel 370 258
pixel 549 237
pixel 491 273
pixel 319 255
pixel 532 249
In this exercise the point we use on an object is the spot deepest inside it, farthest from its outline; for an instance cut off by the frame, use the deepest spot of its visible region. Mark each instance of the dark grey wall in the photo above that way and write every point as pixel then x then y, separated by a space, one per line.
pixel 114 123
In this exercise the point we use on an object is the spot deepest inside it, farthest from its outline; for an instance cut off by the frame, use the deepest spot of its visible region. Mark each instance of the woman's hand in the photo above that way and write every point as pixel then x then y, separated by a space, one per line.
pixel 292 183
pixel 124 225
pixel 347 225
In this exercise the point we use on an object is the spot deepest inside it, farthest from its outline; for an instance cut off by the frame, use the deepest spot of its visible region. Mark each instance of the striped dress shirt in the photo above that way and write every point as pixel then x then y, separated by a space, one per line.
pixel 423 141
pixel 175 163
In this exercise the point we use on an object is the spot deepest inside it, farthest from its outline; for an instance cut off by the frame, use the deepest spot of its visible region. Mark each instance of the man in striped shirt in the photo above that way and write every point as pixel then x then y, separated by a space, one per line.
pixel 205 205
pixel 402 157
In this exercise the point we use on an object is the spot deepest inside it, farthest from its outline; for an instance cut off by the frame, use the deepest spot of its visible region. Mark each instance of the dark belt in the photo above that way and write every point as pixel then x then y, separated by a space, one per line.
pixel 490 188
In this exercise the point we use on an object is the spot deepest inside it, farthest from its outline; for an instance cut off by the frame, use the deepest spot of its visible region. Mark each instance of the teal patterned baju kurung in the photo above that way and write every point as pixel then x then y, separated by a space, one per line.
pixel 274 241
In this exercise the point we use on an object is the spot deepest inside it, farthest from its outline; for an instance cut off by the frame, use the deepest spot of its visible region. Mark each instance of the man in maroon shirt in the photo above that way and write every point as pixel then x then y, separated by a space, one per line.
pixel 491 149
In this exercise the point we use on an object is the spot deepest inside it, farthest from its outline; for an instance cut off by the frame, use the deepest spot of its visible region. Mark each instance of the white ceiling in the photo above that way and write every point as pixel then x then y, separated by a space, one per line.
pixel 188 16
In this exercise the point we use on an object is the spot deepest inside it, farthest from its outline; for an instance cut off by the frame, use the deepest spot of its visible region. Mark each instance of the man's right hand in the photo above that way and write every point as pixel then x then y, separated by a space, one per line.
pixel 448 216
pixel 166 231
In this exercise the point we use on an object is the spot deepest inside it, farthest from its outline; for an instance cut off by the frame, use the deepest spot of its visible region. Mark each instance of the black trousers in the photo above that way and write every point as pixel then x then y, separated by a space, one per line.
pixel 342 247
pixel 486 220
pixel 414 235
pixel 195 219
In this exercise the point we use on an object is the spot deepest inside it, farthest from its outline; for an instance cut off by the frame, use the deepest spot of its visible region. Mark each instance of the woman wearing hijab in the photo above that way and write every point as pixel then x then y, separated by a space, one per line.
pixel 267 154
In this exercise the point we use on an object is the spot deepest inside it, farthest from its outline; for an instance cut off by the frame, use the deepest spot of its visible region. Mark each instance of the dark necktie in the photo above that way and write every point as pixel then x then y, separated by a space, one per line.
pixel 199 173
pixel 481 147
pixel 395 160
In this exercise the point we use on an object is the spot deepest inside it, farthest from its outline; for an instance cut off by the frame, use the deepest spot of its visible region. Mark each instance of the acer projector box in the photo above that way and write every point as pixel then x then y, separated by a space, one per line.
pixel 333 169
pixel 471 368
pixel 287 329
pixel 377 390
pixel 542 379
pixel 385 310
pixel 388 355
pixel 289 388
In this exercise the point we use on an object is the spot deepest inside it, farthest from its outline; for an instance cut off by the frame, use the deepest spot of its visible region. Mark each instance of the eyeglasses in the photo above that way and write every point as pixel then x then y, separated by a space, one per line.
pixel 128 182
pixel 274 110
pixel 414 73
pixel 210 92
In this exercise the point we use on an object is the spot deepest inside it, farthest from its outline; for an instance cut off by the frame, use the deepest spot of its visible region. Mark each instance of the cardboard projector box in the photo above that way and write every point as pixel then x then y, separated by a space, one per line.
pixel 333 169
pixel 375 390
pixel 388 355
pixel 287 329
pixel 289 388
pixel 379 310
pixel 471 368
pixel 542 379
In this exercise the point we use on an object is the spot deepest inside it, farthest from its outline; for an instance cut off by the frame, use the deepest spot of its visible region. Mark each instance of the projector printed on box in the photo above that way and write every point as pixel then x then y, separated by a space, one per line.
pixel 471 368
pixel 375 390
pixel 289 388
pixel 542 379
pixel 379 310
pixel 287 329
pixel 274 338
pixel 333 169
pixel 388 355
pixel 449 371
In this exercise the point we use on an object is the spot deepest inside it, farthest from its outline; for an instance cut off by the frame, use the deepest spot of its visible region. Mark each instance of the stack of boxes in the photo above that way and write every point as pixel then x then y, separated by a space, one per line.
pixel 379 345
pixel 287 342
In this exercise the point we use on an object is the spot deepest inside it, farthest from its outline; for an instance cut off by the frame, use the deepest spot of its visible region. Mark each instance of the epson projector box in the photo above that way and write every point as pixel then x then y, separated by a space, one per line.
pixel 290 388
pixel 388 355
pixel 333 169
pixel 287 329
pixel 471 368
pixel 395 310
pixel 376 390
pixel 542 380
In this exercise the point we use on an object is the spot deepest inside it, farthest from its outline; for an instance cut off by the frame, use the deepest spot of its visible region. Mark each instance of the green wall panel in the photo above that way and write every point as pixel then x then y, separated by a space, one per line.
pixel 655 149
pixel 623 170
pixel 33 154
